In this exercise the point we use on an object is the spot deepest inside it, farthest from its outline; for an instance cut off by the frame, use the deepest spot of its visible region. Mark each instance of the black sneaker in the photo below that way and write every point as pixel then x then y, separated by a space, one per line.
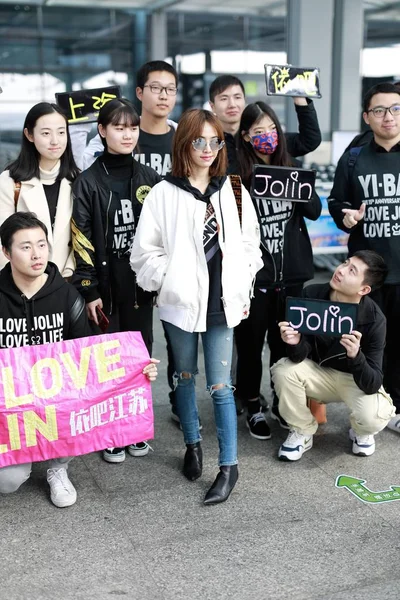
pixel 276 415
pixel 258 426
pixel 175 418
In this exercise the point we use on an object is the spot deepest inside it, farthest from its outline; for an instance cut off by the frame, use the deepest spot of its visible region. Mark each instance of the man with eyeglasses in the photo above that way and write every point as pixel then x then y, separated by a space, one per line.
pixel 365 202
pixel 227 101
pixel 366 136
pixel 157 86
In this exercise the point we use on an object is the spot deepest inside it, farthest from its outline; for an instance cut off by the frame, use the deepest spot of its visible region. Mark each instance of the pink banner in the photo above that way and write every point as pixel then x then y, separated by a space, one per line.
pixel 74 397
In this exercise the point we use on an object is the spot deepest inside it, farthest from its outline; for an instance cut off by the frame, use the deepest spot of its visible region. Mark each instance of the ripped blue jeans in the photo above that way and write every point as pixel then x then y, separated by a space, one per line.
pixel 217 345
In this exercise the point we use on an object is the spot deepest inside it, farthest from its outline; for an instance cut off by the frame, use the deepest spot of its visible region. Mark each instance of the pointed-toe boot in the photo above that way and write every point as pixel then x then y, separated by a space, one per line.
pixel 193 461
pixel 223 485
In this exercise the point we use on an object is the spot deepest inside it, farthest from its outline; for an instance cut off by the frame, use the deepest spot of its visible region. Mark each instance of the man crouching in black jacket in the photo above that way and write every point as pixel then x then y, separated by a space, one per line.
pixel 30 288
pixel 37 306
pixel 328 369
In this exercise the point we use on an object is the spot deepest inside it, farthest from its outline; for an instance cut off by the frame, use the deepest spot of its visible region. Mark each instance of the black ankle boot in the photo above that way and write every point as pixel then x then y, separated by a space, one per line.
pixel 223 485
pixel 193 461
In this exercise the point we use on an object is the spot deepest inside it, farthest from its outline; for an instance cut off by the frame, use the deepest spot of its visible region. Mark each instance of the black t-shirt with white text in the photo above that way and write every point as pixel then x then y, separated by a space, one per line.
pixel 374 180
pixel 121 219
pixel 155 151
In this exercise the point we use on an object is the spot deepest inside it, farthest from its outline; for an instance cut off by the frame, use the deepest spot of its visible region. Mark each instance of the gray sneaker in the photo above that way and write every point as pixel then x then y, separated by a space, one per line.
pixel 114 455
pixel 139 449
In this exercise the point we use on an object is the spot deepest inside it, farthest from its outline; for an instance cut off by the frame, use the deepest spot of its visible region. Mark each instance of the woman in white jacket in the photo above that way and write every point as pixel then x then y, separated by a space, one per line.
pixel 39 181
pixel 197 245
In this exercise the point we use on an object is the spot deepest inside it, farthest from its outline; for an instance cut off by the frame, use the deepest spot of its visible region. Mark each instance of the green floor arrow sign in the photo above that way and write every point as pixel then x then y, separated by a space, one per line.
pixel 356 486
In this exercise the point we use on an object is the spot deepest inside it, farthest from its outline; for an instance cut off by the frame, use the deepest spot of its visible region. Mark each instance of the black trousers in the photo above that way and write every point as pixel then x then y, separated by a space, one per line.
pixel 266 311
pixel 388 299
pixel 132 306
pixel 170 367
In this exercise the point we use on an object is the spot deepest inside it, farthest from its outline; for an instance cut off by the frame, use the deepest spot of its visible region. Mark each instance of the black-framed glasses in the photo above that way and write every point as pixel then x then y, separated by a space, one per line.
pixel 201 144
pixel 380 111
pixel 157 89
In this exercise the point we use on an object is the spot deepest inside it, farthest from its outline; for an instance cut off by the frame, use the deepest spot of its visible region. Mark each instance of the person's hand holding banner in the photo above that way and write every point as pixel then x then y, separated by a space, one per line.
pixel 150 370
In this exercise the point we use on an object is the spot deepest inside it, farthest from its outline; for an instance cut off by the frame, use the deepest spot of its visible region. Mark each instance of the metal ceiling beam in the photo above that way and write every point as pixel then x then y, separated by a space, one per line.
pixel 161 5
pixel 383 8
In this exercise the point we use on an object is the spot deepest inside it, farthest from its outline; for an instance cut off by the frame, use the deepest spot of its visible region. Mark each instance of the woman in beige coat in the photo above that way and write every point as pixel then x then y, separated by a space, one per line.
pixel 39 181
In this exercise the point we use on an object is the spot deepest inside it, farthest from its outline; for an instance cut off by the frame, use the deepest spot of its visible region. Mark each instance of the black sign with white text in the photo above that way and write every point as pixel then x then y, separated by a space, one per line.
pixel 320 317
pixel 282 183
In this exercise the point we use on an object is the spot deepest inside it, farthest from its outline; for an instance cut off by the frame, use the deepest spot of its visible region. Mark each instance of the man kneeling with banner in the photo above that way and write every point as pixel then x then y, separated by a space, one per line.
pixel 331 366
pixel 60 398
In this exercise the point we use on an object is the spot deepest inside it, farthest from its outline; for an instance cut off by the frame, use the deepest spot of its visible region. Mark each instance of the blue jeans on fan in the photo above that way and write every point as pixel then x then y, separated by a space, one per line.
pixel 217 346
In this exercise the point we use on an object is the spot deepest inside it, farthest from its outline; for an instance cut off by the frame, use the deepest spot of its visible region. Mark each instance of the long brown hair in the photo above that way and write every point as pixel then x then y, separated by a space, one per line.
pixel 190 127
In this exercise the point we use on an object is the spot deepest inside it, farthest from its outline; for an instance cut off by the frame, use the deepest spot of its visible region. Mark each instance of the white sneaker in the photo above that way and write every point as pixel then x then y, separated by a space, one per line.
pixel 139 449
pixel 62 492
pixel 363 445
pixel 394 423
pixel 295 446
pixel 114 455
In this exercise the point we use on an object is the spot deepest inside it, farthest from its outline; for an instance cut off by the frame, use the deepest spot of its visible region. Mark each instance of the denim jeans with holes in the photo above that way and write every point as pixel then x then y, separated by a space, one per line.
pixel 217 345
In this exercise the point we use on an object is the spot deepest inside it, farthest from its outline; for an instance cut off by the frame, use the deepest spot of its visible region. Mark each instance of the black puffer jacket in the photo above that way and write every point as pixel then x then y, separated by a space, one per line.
pixel 366 367
pixel 92 201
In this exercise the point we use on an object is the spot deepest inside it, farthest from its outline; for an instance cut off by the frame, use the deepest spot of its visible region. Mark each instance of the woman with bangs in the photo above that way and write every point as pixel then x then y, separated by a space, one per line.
pixel 108 199
pixel 40 180
pixel 197 246
pixel 287 262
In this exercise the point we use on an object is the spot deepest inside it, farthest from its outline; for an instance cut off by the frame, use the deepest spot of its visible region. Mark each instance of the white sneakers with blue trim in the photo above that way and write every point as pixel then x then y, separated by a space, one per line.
pixel 295 446
pixel 363 445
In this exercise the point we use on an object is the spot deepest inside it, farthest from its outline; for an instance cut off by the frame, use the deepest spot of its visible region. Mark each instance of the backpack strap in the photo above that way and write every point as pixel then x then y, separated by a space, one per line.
pixel 353 155
pixel 236 184
pixel 17 191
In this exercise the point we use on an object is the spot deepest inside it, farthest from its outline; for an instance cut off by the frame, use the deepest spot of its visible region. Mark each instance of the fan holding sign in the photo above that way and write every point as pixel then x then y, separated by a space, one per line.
pixel 276 184
pixel 329 365
pixel 42 358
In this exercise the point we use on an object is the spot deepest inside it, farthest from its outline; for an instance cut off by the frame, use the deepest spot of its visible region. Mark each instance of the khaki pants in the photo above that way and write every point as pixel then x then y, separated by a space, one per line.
pixel 295 382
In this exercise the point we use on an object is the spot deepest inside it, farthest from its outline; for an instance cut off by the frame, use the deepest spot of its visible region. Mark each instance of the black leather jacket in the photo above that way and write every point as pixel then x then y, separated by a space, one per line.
pixel 92 201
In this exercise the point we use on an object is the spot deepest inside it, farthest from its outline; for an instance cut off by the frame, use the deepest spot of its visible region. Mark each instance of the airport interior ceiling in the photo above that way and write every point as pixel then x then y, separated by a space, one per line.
pixel 61 29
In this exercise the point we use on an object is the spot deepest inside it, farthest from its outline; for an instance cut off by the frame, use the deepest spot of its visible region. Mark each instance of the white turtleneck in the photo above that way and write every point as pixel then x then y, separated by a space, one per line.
pixel 49 177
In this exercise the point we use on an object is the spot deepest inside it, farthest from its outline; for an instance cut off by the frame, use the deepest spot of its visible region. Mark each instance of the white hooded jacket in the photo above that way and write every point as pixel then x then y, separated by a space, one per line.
pixel 168 254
